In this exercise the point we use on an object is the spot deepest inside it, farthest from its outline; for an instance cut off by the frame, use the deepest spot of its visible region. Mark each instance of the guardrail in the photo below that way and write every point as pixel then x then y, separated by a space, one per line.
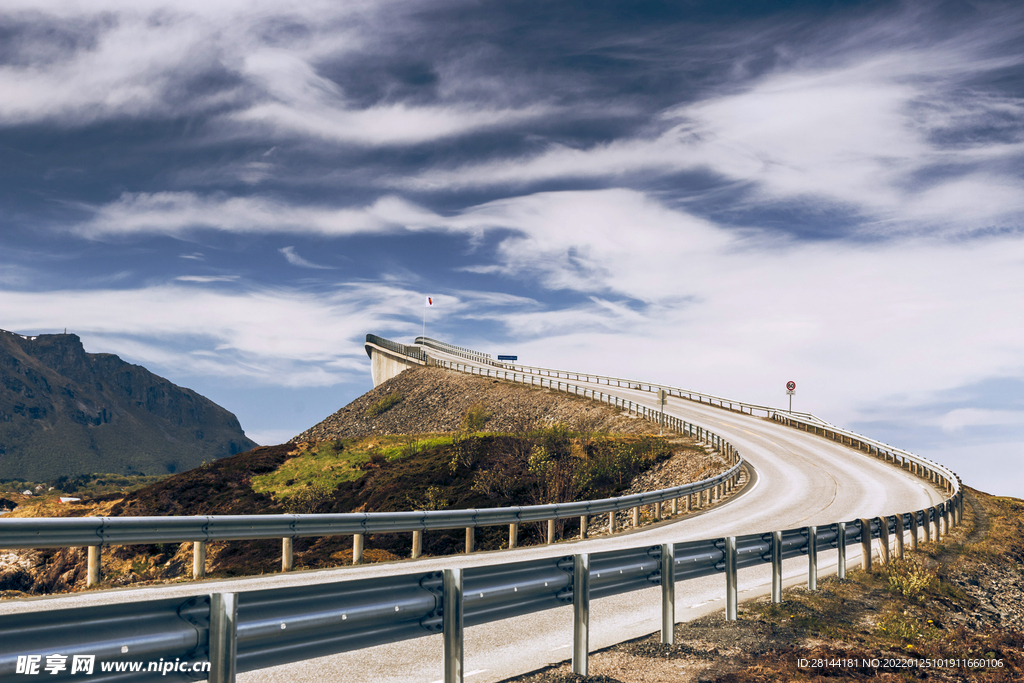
pixel 918 465
pixel 230 633
pixel 410 351
pixel 453 350
pixel 246 631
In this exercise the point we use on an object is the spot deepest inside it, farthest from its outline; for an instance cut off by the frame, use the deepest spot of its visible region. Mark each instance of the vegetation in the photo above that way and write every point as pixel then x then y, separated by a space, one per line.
pixel 384 404
pixel 85 486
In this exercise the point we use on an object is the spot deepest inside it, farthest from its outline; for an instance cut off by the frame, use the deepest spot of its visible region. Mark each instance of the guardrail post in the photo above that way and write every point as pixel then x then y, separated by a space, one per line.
pixel 636 516
pixel 841 549
pixel 883 538
pixel 668 594
pixel 938 530
pixel 926 519
pixel 583 527
pixel 287 555
pixel 198 559
pixel 358 540
pixel 730 579
pixel 865 544
pixel 93 573
pixel 899 537
pixel 675 507
pixel 551 531
pixel 812 558
pixel 611 522
pixel 417 543
pixel 913 531
pixel 776 567
pixel 580 613
pixel 223 637
pixel 452 622
pixel 513 535
pixel 657 512
pixel 470 539
pixel 686 503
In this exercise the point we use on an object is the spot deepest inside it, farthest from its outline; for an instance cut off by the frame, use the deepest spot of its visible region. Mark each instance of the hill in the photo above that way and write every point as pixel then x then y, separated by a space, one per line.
pixel 65 412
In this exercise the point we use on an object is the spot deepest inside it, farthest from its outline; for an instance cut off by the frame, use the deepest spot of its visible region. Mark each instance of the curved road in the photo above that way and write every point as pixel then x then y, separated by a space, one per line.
pixel 801 480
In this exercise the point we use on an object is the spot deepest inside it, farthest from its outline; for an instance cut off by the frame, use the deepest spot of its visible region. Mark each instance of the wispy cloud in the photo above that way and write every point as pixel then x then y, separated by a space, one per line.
pixel 296 260
pixel 207 278
pixel 179 213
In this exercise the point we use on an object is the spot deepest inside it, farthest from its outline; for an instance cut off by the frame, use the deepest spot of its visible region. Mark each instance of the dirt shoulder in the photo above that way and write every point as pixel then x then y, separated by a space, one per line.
pixel 954 611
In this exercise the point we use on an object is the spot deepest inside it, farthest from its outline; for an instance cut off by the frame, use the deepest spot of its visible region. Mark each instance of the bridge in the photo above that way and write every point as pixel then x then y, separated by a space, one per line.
pixel 819 499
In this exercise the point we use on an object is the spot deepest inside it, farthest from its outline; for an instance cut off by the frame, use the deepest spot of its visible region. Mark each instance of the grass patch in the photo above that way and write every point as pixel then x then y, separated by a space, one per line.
pixel 314 473
pixel 384 404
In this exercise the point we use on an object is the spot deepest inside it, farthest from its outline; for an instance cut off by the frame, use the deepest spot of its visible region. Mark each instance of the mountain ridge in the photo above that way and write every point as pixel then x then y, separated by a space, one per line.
pixel 64 411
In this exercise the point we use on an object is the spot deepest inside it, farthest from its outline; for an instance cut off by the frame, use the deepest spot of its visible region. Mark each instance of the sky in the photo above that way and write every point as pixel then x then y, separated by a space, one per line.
pixel 717 196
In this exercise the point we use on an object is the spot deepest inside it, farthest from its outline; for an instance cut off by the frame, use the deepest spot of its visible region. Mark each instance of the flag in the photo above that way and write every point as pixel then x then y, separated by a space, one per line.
pixel 430 302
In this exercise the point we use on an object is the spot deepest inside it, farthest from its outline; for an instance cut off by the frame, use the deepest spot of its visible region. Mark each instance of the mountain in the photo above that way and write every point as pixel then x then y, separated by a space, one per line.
pixel 67 412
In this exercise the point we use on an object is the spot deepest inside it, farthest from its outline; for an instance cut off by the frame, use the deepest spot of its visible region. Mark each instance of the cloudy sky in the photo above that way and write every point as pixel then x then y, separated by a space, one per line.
pixel 717 196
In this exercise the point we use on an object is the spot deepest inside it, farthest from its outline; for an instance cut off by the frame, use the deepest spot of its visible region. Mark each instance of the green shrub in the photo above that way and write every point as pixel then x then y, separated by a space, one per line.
pixel 476 417
pixel 909 577
pixel 384 404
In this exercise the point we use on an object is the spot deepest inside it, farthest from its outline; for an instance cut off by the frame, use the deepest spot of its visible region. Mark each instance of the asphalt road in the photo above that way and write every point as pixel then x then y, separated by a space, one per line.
pixel 801 480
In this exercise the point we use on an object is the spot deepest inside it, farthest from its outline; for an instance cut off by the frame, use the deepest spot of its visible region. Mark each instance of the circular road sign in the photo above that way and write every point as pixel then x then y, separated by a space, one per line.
pixel 790 386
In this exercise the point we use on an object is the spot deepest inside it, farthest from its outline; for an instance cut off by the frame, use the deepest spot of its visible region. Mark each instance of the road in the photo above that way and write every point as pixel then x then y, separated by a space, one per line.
pixel 801 480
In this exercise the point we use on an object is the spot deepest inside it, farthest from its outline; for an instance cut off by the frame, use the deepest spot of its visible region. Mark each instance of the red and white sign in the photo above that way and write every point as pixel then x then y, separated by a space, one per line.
pixel 790 386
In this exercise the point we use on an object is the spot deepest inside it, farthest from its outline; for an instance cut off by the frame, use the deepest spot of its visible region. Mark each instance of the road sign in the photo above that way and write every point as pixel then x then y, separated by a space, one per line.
pixel 661 396
pixel 508 357
pixel 790 387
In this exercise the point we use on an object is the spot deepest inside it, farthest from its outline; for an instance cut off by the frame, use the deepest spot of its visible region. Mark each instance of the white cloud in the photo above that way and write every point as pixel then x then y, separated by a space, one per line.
pixel 864 135
pixel 296 260
pixel 178 213
pixel 960 418
pixel 207 278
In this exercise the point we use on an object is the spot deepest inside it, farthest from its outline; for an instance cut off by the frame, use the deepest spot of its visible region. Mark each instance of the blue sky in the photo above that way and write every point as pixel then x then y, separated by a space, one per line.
pixel 718 196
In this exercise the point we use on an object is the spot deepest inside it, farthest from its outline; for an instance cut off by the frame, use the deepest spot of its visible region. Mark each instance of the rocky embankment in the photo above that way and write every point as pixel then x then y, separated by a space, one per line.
pixel 436 400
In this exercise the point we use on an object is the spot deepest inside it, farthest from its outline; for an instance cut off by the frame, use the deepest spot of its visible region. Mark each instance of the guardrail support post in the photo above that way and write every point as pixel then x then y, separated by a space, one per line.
pixel 636 516
pixel 223 638
pixel 611 522
pixel 812 558
pixel 583 527
pixel 452 623
pixel 913 531
pixel 287 555
pixel 899 537
pixel 513 535
pixel 841 549
pixel 938 530
pixel 417 543
pixel 675 507
pixel 668 594
pixel 730 579
pixel 657 512
pixel 198 559
pixel 470 539
pixel 580 613
pixel 865 544
pixel 358 540
pixel 93 574
pixel 883 538
pixel 551 531
pixel 776 567
pixel 927 524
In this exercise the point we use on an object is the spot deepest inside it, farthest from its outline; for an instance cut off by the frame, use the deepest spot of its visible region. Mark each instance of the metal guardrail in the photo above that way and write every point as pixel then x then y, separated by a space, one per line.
pixel 936 472
pixel 410 351
pixel 453 350
pixel 283 625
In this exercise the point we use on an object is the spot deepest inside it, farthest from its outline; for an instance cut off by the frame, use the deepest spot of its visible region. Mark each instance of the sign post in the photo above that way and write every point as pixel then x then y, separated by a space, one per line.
pixel 791 389
pixel 661 402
